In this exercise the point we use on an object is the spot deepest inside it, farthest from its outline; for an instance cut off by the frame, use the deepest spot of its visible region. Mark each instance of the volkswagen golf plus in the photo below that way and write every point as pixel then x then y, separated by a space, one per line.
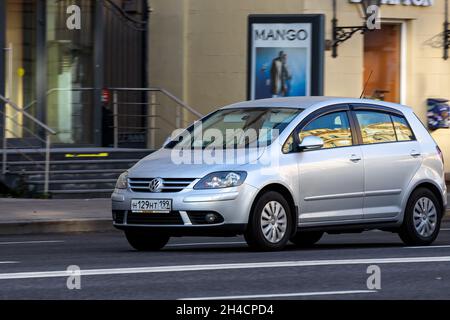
pixel 287 169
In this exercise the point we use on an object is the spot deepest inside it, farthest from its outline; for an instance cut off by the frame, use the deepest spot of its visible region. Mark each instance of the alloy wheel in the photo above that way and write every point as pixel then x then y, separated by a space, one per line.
pixel 273 222
pixel 425 217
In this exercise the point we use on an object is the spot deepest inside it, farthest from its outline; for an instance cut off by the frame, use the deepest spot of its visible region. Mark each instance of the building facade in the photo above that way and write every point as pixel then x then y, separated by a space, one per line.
pixel 58 58
pixel 199 51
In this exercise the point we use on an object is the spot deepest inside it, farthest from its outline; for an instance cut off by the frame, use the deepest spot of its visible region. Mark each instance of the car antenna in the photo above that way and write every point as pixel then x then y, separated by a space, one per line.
pixel 365 85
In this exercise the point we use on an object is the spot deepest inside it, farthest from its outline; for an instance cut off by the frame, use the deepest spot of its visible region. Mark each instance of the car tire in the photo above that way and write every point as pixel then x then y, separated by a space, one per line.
pixel 270 223
pixel 145 242
pixel 306 239
pixel 422 220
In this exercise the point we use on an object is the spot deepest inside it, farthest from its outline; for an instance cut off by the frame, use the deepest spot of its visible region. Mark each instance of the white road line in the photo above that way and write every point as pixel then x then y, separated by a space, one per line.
pixel 204 244
pixel 30 242
pixel 215 267
pixel 428 247
pixel 8 262
pixel 283 295
pixel 445 229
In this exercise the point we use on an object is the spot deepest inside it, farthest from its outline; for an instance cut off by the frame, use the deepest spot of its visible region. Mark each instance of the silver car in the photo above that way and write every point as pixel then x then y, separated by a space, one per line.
pixel 288 169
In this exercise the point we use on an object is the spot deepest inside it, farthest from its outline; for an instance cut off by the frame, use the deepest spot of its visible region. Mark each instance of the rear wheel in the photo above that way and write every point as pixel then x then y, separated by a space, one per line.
pixel 306 239
pixel 422 219
pixel 145 242
pixel 270 223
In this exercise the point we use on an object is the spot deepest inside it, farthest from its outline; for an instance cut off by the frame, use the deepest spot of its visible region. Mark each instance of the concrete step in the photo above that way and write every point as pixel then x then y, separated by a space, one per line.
pixel 74 173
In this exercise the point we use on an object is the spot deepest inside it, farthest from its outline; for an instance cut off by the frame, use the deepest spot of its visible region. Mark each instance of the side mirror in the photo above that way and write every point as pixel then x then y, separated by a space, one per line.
pixel 311 143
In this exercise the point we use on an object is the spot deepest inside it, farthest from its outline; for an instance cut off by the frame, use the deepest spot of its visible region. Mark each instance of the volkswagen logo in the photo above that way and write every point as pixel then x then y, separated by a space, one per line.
pixel 155 185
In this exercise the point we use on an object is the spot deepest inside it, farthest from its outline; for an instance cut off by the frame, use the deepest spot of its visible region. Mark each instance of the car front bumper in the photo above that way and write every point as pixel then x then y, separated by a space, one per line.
pixel 189 206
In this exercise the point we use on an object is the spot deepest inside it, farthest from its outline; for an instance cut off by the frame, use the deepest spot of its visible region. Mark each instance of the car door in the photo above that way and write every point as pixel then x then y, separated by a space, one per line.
pixel 391 155
pixel 331 178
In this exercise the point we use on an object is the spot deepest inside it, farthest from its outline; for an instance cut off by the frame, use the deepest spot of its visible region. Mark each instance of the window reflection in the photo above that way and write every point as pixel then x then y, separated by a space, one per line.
pixel 333 129
pixel 402 129
pixel 376 127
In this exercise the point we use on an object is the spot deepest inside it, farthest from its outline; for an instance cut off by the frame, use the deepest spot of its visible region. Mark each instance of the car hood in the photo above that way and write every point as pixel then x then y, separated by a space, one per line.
pixel 164 164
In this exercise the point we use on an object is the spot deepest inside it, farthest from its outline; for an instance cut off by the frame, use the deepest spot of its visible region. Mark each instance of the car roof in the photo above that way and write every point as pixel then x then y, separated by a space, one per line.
pixel 310 102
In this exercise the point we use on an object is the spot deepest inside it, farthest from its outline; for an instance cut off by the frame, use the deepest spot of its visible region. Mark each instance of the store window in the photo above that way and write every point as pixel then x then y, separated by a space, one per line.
pixel 70 73
pixel 20 60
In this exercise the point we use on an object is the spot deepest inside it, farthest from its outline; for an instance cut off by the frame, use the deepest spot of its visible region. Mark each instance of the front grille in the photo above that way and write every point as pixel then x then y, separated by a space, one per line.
pixel 171 218
pixel 168 185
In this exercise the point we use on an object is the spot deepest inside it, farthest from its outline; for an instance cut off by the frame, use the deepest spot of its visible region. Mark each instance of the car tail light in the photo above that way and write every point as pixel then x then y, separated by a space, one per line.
pixel 440 153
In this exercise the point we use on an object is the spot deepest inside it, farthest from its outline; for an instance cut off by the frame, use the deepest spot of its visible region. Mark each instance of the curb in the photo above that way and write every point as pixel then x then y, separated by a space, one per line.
pixel 59 226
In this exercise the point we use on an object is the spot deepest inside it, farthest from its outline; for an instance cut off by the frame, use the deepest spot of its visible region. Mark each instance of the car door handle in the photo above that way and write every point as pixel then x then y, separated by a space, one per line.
pixel 355 158
pixel 415 153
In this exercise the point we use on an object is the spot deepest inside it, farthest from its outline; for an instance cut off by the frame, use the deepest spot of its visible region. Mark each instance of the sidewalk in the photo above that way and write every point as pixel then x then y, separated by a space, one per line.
pixel 24 216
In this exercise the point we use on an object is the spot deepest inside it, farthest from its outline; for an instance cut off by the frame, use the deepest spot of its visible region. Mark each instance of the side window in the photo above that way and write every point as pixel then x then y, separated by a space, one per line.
pixel 402 129
pixel 376 127
pixel 333 129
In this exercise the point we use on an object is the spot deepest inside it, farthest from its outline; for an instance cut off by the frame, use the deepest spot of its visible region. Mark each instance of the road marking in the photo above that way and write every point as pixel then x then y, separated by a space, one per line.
pixel 30 242
pixel 284 295
pixel 8 262
pixel 215 267
pixel 204 244
pixel 445 229
pixel 428 247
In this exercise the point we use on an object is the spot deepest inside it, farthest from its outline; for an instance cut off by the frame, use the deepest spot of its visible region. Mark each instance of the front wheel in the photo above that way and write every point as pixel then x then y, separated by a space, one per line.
pixel 422 219
pixel 270 223
pixel 145 242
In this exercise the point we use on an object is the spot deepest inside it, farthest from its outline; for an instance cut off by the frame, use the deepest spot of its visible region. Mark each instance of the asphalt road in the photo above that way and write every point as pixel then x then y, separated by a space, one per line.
pixel 34 267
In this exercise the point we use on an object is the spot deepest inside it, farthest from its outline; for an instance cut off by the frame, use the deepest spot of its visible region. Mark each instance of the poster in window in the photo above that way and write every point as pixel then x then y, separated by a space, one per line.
pixel 285 56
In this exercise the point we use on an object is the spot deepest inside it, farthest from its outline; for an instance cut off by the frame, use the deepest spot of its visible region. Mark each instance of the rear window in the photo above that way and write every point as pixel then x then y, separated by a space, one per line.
pixel 380 127
pixel 402 129
pixel 376 127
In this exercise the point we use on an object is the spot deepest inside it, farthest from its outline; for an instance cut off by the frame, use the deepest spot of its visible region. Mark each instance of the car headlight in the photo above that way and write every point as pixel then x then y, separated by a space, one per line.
pixel 122 182
pixel 223 179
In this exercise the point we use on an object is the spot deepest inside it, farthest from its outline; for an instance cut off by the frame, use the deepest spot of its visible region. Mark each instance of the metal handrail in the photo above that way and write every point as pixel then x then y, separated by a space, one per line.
pixel 27 115
pixel 48 132
pixel 154 89
pixel 166 93
pixel 152 103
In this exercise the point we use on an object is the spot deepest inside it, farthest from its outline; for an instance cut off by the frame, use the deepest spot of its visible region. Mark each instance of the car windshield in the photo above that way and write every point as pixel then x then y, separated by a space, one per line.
pixel 236 128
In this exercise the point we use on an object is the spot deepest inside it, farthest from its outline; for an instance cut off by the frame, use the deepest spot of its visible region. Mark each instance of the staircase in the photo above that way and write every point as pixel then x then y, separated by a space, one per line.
pixel 80 173
pixel 34 168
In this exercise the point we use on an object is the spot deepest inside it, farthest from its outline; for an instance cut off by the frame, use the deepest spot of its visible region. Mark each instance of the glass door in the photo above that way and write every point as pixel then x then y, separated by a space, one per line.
pixel 70 104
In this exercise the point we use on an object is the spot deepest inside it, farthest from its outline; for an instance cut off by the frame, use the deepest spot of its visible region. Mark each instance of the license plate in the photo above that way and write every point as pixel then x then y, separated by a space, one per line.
pixel 151 206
